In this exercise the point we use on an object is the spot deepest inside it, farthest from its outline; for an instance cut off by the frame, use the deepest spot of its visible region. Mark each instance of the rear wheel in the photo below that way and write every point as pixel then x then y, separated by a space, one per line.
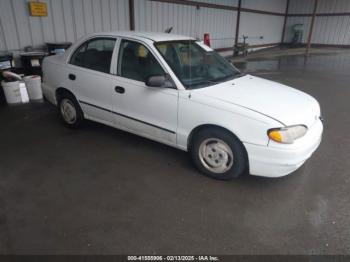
pixel 70 111
pixel 219 154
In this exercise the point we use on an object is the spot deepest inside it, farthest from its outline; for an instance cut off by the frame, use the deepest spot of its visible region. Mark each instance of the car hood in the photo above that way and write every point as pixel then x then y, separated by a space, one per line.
pixel 280 102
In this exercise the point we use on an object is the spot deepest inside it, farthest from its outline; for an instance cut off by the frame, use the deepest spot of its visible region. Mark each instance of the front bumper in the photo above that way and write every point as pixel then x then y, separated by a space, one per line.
pixel 276 160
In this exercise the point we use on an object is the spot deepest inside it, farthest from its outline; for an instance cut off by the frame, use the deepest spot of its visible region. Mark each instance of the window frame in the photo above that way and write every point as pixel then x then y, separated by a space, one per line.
pixel 149 49
pixel 86 42
pixel 176 41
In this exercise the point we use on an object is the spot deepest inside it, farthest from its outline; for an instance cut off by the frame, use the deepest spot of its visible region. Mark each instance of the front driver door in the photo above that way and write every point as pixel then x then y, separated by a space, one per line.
pixel 147 111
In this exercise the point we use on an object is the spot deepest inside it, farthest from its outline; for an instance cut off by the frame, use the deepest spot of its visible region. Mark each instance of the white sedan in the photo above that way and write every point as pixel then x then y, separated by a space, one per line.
pixel 177 91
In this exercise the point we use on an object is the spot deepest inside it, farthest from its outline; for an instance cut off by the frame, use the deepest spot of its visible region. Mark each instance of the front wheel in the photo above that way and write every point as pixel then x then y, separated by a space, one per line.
pixel 219 154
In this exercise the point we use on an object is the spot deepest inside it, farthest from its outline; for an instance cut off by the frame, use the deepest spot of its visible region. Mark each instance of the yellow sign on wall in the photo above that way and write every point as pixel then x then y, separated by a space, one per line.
pixel 37 9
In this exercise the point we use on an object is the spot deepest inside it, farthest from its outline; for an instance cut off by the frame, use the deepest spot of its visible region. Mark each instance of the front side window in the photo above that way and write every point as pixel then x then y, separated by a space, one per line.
pixel 95 54
pixel 194 66
pixel 137 62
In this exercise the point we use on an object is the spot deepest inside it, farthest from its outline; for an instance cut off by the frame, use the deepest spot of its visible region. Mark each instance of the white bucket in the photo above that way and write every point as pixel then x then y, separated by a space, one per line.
pixel 33 84
pixel 12 92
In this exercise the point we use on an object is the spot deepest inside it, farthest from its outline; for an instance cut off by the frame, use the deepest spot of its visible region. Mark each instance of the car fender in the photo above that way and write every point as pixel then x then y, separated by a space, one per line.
pixel 55 75
pixel 196 111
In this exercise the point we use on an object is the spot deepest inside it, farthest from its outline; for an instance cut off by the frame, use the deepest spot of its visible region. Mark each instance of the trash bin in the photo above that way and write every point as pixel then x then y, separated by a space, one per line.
pixel 14 88
pixel 12 91
pixel 6 63
pixel 6 60
pixel 33 84
pixel 57 48
pixel 31 62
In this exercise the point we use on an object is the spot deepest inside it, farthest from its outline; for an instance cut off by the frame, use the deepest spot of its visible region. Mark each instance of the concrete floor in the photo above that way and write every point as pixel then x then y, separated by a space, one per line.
pixel 102 191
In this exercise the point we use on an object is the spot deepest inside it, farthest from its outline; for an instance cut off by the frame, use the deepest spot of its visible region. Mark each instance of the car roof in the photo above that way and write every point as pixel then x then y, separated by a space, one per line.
pixel 156 37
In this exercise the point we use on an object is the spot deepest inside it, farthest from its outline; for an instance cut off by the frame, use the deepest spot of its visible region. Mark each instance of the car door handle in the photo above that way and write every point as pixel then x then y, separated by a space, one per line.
pixel 71 77
pixel 119 89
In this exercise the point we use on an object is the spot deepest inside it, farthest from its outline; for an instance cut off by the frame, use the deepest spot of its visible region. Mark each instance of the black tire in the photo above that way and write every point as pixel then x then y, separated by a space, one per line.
pixel 78 120
pixel 239 160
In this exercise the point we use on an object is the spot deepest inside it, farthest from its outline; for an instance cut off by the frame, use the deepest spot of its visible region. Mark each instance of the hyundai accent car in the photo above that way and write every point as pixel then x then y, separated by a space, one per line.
pixel 178 91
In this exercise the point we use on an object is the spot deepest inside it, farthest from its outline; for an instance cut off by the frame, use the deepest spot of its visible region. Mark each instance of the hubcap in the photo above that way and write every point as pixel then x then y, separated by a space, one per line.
pixel 215 155
pixel 68 111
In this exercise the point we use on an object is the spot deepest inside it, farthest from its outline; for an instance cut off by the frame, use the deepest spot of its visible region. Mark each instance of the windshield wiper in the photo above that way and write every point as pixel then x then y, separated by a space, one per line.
pixel 240 75
pixel 201 84
pixel 214 81
pixel 226 78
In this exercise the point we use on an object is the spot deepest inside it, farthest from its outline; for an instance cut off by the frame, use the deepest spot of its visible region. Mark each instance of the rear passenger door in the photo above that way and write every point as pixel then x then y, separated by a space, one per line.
pixel 89 71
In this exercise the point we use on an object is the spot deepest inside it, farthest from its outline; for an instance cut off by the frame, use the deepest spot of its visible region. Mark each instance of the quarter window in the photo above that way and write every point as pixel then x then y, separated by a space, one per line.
pixel 95 54
pixel 137 62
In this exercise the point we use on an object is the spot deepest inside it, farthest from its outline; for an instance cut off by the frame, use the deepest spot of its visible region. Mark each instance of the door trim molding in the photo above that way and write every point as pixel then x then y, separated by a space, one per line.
pixel 129 117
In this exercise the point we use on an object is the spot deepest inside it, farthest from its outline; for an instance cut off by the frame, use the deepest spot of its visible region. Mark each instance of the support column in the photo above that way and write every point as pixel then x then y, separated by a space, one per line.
pixel 311 28
pixel 132 15
pixel 285 22
pixel 237 24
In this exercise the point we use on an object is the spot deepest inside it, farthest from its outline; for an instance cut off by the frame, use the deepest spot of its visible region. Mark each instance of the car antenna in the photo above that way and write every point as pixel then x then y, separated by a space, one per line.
pixel 168 30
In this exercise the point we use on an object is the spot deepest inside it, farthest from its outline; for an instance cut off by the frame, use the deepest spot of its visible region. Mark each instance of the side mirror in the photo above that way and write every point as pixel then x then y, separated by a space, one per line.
pixel 162 81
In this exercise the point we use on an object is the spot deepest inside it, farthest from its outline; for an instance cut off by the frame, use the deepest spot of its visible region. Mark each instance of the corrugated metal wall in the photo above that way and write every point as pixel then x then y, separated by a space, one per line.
pixel 301 6
pixel 333 30
pixel 187 20
pixel 67 21
pixel 70 19
pixel 221 2
pixel 262 28
pixel 220 24
pixel 278 6
pixel 157 16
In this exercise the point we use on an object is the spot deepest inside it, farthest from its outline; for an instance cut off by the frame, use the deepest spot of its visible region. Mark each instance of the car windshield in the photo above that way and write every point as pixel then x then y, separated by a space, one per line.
pixel 195 64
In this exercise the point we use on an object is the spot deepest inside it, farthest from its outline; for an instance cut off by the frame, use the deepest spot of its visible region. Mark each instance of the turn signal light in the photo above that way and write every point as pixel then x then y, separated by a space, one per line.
pixel 287 135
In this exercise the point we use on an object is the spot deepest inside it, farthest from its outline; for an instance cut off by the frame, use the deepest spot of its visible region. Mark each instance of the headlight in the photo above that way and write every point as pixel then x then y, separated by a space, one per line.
pixel 287 135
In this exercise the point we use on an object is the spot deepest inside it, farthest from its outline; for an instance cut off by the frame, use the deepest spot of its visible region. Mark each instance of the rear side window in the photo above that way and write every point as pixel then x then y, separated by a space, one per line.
pixel 137 62
pixel 95 54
